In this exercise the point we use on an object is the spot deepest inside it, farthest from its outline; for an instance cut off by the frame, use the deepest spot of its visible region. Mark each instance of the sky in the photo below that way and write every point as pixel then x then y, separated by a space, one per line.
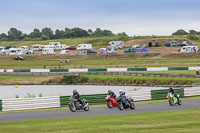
pixel 135 17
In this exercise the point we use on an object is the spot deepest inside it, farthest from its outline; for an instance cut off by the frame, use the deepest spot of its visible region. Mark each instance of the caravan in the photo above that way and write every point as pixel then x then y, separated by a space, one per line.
pixel 48 51
pixel 16 51
pixel 116 44
pixel 84 46
pixel 57 45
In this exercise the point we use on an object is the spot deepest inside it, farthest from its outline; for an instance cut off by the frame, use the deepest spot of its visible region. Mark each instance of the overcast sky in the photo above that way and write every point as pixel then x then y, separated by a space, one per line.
pixel 135 17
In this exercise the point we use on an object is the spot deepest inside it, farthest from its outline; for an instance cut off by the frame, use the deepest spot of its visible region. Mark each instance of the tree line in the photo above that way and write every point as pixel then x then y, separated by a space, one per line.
pixel 183 32
pixel 47 33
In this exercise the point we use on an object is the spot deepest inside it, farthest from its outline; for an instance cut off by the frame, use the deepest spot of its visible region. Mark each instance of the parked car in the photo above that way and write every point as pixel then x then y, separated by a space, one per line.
pixel 18 58
pixel 71 48
pixel 90 51
pixel 64 52
pixel 136 46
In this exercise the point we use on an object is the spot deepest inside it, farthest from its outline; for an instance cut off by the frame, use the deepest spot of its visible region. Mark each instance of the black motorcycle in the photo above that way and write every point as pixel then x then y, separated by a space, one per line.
pixel 125 103
pixel 75 104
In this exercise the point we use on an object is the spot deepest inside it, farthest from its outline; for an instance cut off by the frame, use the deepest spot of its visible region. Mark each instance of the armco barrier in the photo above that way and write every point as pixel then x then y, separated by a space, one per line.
pixel 178 68
pixel 0 105
pixel 92 99
pixel 21 70
pixel 161 94
pixel 59 70
pixel 136 69
pixel 98 70
pixel 30 103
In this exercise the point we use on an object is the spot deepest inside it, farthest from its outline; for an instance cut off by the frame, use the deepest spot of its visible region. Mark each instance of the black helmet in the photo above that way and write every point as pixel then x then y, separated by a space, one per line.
pixel 109 91
pixel 74 91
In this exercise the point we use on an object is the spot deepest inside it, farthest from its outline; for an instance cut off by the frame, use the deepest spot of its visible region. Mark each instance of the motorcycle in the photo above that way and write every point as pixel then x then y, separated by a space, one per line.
pixel 173 100
pixel 75 104
pixel 122 105
pixel 111 102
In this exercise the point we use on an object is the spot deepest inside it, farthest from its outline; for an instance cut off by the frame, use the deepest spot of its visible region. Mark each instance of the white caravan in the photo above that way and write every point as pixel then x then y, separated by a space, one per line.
pixel 102 51
pixel 16 51
pixel 116 44
pixel 48 51
pixel 189 49
pixel 37 47
pixel 58 45
pixel 84 46
pixel 24 47
pixel 3 51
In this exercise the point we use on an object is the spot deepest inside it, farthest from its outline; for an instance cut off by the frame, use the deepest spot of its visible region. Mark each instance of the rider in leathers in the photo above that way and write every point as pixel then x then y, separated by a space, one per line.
pixel 112 94
pixel 123 97
pixel 76 95
pixel 173 92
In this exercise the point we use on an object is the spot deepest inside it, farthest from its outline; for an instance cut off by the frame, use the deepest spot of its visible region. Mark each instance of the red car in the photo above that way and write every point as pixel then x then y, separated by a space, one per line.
pixel 71 48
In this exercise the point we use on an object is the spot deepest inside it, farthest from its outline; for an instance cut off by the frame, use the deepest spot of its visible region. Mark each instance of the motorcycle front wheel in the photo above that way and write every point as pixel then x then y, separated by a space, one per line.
pixel 120 106
pixel 132 106
pixel 109 104
pixel 72 107
pixel 86 108
pixel 171 102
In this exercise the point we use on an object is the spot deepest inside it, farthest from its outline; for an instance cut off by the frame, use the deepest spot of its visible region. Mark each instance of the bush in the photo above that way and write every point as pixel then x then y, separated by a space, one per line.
pixel 74 79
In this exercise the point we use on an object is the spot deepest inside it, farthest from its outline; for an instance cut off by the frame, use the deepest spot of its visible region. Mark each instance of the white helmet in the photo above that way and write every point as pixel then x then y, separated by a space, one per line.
pixel 120 91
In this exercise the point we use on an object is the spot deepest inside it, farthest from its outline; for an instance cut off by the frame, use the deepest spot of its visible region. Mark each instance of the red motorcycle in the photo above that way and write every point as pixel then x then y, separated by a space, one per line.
pixel 111 102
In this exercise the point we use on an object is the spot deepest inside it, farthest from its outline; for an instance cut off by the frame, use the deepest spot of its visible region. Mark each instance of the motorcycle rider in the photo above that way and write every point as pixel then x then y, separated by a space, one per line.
pixel 112 94
pixel 171 90
pixel 76 95
pixel 122 95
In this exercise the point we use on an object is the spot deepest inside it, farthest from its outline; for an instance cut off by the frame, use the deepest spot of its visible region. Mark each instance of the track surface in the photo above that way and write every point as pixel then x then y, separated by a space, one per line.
pixel 52 114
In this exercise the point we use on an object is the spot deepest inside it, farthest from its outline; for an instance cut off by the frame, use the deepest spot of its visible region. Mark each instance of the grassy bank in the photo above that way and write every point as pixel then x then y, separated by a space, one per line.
pixel 128 80
pixel 12 80
pixel 174 121
pixel 97 80
pixel 121 61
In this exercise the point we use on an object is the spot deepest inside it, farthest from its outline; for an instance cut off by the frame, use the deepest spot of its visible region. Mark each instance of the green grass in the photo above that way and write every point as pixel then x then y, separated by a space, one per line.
pixel 99 62
pixel 139 80
pixel 6 79
pixel 171 72
pixel 96 41
pixel 156 122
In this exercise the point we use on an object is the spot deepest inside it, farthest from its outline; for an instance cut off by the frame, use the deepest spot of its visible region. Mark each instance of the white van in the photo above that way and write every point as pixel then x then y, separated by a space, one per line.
pixel 84 46
pixel 48 51
pixel 16 51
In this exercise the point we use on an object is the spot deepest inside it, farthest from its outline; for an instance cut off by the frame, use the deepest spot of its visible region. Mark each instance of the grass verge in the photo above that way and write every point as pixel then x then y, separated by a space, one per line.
pixel 156 122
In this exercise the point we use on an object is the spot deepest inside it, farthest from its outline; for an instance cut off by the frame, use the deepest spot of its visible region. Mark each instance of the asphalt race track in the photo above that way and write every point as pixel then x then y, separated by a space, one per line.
pixel 52 114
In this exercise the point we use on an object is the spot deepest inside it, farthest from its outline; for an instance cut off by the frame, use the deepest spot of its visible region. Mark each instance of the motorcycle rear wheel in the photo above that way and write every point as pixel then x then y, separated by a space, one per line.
pixel 86 108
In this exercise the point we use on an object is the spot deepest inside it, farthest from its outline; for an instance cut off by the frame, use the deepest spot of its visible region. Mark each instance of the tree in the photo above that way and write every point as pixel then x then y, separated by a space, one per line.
pixel 59 34
pixel 90 32
pixel 47 32
pixel 180 32
pixel 107 33
pixel 14 34
pixel 98 32
pixel 122 34
pixel 192 32
pixel 35 34
pixel 3 36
